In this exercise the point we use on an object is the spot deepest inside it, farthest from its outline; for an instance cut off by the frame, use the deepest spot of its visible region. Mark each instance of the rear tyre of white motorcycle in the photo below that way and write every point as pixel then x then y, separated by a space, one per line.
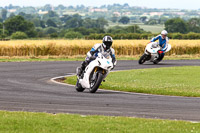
pixel 94 88
pixel 79 88
pixel 158 60
pixel 142 59
pixel 155 62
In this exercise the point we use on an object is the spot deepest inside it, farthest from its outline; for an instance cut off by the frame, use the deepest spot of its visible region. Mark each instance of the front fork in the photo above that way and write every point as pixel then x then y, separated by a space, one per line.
pixel 96 70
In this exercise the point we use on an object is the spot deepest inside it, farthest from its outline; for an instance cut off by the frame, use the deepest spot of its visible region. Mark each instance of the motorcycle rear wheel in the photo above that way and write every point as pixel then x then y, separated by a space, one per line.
pixel 79 88
pixel 158 60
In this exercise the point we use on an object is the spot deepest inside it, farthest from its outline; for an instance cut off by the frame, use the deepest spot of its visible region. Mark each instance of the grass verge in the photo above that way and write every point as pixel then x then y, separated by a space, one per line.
pixel 175 81
pixel 18 122
pixel 81 58
pixel 39 59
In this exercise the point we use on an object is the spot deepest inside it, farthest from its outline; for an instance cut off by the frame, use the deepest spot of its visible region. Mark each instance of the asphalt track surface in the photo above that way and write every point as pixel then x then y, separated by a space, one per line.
pixel 26 86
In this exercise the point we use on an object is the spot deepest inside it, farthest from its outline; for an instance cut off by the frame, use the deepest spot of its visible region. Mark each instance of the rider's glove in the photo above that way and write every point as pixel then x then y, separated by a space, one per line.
pixel 114 63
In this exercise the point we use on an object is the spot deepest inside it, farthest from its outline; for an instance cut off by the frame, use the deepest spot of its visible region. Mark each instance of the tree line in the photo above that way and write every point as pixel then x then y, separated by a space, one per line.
pixel 51 25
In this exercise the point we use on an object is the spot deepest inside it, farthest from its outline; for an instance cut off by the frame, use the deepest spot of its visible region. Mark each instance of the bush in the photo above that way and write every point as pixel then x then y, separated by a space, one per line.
pixel 137 36
pixel 54 35
pixel 31 33
pixel 144 36
pixel 50 30
pixel 177 36
pixel 192 36
pixel 2 36
pixel 19 35
pixel 73 35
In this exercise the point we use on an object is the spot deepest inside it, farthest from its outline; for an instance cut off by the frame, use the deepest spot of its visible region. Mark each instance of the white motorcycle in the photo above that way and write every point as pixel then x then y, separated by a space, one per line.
pixel 95 73
pixel 152 52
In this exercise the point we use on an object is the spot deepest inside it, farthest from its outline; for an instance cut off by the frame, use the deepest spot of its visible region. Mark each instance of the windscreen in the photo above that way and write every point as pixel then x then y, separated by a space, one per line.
pixel 106 54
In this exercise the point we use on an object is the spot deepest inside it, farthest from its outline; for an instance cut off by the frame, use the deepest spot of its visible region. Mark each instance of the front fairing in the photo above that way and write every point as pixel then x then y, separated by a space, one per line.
pixel 105 63
pixel 168 48
pixel 102 62
pixel 150 50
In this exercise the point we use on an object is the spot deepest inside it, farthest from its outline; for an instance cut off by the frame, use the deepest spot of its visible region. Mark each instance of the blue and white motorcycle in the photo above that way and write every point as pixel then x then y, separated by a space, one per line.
pixel 152 52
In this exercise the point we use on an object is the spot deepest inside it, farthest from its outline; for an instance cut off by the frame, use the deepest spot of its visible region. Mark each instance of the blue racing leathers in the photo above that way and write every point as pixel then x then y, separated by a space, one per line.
pixel 162 42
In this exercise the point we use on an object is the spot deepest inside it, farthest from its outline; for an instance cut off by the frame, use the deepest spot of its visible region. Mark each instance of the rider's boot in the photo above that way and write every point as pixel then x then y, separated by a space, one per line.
pixel 82 68
pixel 78 71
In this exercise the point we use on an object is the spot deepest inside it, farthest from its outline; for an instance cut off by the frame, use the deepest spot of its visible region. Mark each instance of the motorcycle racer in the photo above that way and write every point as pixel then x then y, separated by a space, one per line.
pixel 163 41
pixel 93 53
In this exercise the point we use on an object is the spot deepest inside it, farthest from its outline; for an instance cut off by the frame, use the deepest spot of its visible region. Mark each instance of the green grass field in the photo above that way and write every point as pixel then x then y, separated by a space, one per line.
pixel 176 81
pixel 25 122
pixel 151 28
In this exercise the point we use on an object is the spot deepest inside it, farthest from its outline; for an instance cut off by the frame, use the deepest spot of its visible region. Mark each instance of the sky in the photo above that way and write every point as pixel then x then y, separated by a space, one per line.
pixel 179 4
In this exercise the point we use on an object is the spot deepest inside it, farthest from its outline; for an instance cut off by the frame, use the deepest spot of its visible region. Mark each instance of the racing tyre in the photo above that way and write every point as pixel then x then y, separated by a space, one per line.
pixel 156 62
pixel 79 88
pixel 142 59
pixel 95 84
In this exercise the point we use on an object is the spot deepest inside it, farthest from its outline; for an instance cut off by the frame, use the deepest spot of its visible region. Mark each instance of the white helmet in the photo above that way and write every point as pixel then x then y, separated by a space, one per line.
pixel 164 32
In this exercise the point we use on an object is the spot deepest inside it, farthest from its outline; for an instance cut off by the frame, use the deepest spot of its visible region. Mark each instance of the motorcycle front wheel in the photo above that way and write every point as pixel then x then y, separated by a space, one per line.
pixel 94 85
pixel 142 59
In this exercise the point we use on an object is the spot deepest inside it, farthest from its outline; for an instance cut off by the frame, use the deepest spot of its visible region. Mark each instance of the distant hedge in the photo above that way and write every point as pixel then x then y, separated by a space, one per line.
pixel 19 35
pixel 189 36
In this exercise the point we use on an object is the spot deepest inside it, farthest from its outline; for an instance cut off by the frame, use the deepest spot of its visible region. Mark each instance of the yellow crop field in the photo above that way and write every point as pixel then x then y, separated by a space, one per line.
pixel 81 47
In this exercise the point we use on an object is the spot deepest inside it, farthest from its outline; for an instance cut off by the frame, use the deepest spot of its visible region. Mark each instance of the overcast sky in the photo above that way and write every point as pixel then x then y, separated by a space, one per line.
pixel 180 4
